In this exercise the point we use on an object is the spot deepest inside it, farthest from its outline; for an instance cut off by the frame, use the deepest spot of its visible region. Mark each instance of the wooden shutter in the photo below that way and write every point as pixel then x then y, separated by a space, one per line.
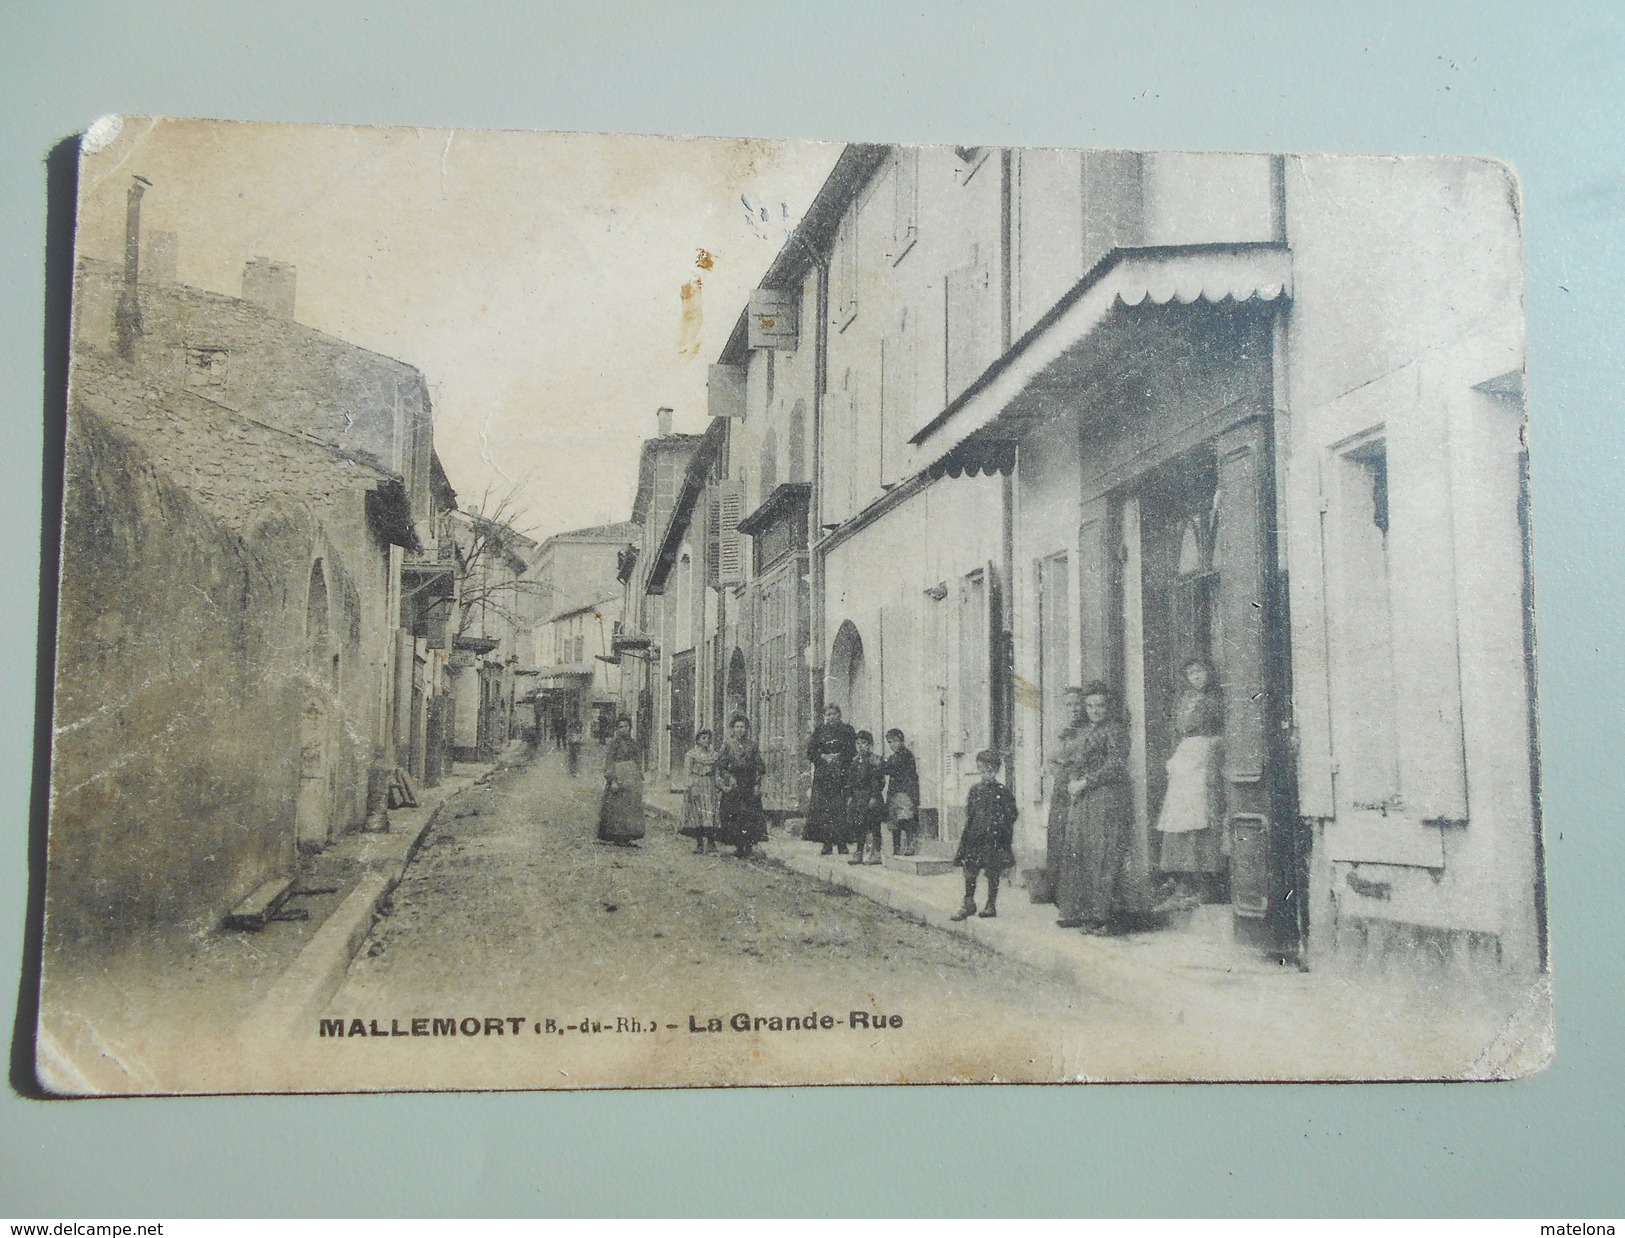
pixel 710 505
pixel 1311 704
pixel 1244 480
pixel 1422 576
pixel 965 327
pixel 1094 590
pixel 975 661
pixel 906 206
pixel 730 510
pixel 725 390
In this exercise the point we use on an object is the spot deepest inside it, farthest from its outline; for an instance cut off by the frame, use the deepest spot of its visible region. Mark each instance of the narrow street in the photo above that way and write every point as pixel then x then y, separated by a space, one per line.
pixel 512 910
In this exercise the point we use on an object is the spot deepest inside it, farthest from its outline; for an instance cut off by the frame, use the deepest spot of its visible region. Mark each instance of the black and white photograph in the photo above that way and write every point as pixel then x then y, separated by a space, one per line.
pixel 559 611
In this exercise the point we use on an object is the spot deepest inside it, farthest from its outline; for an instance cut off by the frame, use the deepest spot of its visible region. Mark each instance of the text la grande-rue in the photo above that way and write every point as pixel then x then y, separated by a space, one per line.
pixel 856 1020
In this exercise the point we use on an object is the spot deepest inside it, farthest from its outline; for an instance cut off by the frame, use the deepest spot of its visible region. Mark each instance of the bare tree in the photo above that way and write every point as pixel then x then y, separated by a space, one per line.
pixel 491 561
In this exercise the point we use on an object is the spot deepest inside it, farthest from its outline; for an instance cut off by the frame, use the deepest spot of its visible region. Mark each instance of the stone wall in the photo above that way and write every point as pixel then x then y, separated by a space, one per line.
pixel 185 667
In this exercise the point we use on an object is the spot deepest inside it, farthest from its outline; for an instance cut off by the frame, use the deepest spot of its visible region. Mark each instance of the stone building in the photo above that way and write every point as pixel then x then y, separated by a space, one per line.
pixel 491 641
pixel 578 606
pixel 642 645
pixel 243 497
pixel 1078 415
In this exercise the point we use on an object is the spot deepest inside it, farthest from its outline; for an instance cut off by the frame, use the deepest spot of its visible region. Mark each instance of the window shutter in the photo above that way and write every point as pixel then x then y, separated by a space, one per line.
pixel 725 390
pixel 965 296
pixel 997 667
pixel 1239 557
pixel 1311 710
pixel 1422 576
pixel 905 214
pixel 713 545
pixel 730 509
pixel 1094 590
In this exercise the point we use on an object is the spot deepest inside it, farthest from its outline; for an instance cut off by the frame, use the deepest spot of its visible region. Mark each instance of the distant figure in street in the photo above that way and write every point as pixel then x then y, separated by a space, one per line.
pixel 984 847
pixel 620 816
pixel 1060 800
pixel 902 794
pixel 831 748
pixel 866 800
pixel 1094 891
pixel 739 769
pixel 700 796
pixel 1193 806
pixel 572 744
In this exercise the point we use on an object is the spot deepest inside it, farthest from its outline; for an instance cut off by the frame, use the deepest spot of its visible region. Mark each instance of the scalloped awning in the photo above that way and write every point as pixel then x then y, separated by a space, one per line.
pixel 1094 318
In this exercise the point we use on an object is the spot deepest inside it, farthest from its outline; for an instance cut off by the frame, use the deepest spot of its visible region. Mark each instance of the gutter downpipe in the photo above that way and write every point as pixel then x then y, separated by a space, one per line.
pixel 1006 703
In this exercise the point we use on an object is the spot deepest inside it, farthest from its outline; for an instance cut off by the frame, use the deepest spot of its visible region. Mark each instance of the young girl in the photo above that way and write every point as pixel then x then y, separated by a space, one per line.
pixel 1193 806
pixel 902 793
pixel 700 796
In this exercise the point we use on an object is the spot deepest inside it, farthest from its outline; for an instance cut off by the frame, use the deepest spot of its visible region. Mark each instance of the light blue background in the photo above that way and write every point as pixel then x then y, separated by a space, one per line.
pixel 1536 84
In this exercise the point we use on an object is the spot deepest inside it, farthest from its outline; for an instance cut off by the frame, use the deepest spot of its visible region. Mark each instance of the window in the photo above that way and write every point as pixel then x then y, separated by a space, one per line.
pixel 206 367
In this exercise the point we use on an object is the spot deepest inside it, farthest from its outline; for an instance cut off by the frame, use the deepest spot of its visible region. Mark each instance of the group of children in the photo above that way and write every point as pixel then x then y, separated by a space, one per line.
pixel 856 794
pixel 880 791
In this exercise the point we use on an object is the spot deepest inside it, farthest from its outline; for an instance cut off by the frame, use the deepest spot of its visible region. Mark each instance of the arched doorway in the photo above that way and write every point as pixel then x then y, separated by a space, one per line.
pixel 849 678
pixel 313 802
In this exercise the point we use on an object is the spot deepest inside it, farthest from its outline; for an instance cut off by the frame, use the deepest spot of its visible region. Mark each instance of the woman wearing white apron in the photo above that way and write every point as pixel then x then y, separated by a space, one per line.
pixel 1191 824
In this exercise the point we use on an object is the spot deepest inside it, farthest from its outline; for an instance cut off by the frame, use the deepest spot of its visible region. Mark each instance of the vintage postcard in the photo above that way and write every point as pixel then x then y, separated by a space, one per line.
pixel 577 611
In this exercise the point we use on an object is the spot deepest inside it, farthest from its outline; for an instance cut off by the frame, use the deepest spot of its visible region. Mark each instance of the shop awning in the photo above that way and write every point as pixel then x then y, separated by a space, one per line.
pixel 1090 330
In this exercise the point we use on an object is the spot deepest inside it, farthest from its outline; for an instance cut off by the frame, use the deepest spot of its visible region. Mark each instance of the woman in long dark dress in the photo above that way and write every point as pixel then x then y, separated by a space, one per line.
pixel 620 814
pixel 831 748
pixel 1095 863
pixel 1060 798
pixel 739 770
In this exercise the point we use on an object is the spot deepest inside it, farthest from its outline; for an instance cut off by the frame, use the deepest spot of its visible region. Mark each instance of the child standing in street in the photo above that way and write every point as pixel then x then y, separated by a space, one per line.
pixel 867 800
pixel 700 797
pixel 902 793
pixel 984 847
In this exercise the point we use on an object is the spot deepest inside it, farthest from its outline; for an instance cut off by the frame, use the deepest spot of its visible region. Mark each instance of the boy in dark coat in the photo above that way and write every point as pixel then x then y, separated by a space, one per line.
pixel 866 803
pixel 984 847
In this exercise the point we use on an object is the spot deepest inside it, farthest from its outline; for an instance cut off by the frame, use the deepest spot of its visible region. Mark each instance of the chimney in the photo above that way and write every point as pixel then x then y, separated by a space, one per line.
pixel 269 285
pixel 158 257
pixel 129 303
pixel 663 419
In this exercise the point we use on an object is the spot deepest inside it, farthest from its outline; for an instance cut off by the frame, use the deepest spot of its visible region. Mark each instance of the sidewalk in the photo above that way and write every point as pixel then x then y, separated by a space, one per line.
pixel 1206 1007
pixel 1199 994
pixel 363 869
pixel 1184 961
